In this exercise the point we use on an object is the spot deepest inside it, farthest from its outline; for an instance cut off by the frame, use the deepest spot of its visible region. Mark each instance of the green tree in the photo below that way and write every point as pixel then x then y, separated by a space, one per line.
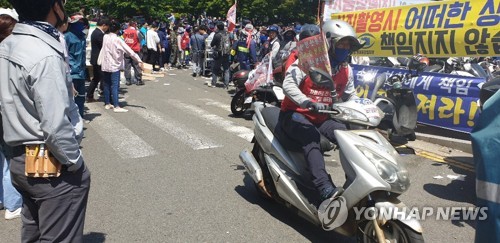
pixel 4 4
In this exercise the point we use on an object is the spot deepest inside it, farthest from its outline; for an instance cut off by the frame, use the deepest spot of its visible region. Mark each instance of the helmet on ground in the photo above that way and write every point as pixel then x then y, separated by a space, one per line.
pixel 337 30
pixel 309 30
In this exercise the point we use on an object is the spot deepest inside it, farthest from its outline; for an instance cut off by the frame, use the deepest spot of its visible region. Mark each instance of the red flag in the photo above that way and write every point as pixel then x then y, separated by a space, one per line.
pixel 231 17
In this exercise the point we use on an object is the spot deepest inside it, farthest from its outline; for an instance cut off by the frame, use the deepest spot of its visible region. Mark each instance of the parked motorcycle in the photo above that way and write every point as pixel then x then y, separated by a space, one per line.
pixel 244 97
pixel 399 105
pixel 375 176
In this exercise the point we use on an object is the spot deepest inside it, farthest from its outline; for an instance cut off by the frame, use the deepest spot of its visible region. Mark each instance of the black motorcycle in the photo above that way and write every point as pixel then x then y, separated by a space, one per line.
pixel 243 98
pixel 399 105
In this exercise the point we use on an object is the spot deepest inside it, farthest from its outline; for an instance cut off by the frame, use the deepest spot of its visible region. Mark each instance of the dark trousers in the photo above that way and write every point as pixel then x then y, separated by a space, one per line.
pixel 221 64
pixel 97 72
pixel 174 57
pixel 79 85
pixel 53 208
pixel 299 128
pixel 131 63
pixel 154 59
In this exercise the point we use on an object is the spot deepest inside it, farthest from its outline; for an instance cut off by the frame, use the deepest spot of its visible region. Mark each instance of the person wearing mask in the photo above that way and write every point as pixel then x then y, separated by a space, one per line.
pixel 299 117
pixel 245 48
pixel 36 99
pixel 131 38
pixel 96 45
pixel 76 44
pixel 111 58
pixel 153 43
pixel 221 50
pixel 198 49
pixel 10 199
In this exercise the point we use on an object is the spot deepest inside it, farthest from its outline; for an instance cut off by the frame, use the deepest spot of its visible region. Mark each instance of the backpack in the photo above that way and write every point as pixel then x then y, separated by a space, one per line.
pixel 185 41
pixel 225 44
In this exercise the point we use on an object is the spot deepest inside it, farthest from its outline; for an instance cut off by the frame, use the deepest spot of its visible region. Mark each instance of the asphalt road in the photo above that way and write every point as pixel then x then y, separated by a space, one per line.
pixel 168 171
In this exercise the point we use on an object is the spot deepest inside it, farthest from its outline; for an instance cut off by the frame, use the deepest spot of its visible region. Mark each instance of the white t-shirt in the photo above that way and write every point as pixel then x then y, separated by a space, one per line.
pixel 152 39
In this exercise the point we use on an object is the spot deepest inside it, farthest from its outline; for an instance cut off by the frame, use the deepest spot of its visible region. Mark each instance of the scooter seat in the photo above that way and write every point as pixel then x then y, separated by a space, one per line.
pixel 271 117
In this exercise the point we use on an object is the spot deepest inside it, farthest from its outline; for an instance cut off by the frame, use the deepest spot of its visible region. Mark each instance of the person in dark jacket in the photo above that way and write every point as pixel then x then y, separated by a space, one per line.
pixel 221 61
pixel 245 48
pixel 76 43
pixel 162 33
pixel 198 49
pixel 96 45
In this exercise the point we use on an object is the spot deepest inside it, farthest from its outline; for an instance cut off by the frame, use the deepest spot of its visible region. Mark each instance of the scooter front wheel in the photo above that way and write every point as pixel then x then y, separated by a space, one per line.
pixel 238 106
pixel 394 231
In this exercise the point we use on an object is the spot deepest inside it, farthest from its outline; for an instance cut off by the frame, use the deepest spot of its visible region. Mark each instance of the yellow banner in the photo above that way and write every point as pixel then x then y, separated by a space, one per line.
pixel 441 29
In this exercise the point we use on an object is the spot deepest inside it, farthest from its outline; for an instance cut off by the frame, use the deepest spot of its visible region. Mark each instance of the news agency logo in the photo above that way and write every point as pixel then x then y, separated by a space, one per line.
pixel 333 213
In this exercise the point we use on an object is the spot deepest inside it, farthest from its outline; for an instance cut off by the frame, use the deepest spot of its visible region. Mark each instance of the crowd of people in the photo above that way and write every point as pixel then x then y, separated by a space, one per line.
pixel 43 94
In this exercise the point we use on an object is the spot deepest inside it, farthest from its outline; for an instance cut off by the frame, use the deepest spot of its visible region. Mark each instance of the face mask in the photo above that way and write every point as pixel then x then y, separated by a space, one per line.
pixel 339 56
pixel 77 27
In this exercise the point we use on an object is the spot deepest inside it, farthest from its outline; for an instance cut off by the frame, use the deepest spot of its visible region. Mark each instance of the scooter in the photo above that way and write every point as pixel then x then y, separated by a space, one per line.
pixel 375 176
pixel 399 105
pixel 242 100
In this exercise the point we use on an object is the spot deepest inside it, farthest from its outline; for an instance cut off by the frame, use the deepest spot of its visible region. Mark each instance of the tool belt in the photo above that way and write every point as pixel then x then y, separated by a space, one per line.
pixel 40 162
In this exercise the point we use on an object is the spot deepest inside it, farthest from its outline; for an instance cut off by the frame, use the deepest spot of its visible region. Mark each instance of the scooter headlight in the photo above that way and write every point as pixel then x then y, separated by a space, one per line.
pixel 349 114
pixel 396 176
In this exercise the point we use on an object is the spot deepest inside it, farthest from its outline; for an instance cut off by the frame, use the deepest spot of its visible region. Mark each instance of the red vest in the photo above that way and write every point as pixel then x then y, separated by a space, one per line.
pixel 317 93
pixel 132 39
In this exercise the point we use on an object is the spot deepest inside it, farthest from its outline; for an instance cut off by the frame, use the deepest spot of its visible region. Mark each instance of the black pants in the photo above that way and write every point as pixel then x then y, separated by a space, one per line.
pixel 53 208
pixel 154 59
pixel 221 64
pixel 299 128
pixel 131 63
pixel 97 73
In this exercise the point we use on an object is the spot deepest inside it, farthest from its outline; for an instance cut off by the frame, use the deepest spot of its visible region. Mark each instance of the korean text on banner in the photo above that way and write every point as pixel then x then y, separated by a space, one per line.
pixel 342 6
pixel 439 29
pixel 313 53
pixel 443 100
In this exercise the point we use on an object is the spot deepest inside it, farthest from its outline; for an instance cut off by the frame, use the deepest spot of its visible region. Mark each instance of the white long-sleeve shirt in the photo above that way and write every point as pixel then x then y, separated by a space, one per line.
pixel 152 40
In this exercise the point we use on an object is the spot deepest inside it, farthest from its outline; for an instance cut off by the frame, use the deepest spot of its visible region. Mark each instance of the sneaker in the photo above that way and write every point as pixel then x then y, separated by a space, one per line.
pixel 331 192
pixel 209 84
pixel 12 215
pixel 194 75
pixel 128 83
pixel 108 106
pixel 120 110
pixel 140 83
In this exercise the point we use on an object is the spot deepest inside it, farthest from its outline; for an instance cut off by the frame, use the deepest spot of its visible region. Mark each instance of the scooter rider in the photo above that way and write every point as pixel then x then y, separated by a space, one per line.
pixel 299 117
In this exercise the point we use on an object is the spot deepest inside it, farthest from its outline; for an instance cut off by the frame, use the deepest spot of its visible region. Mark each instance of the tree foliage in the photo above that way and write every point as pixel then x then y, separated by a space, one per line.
pixel 260 11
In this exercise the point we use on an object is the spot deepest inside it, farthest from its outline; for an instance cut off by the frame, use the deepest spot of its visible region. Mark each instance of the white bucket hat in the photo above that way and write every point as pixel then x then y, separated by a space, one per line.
pixel 10 12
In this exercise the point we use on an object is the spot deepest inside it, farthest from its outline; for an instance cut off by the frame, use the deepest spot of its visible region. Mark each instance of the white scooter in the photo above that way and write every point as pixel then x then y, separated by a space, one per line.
pixel 375 176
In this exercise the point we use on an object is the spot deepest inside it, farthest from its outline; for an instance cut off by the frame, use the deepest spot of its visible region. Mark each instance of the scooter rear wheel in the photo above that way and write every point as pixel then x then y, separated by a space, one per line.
pixel 238 106
pixel 394 231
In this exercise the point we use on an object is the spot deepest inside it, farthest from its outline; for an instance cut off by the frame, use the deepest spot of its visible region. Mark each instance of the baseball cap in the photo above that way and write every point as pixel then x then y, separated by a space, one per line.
pixel 10 12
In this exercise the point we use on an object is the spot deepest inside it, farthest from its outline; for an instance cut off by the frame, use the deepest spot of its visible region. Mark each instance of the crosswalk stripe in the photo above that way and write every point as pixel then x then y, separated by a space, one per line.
pixel 211 102
pixel 229 126
pixel 126 143
pixel 186 135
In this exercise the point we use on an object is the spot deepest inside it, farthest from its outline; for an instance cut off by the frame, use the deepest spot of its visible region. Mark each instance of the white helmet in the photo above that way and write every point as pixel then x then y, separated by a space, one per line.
pixel 336 30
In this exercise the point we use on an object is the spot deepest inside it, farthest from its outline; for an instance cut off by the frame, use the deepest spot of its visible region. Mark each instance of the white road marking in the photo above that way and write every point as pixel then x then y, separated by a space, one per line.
pixel 186 135
pixel 240 131
pixel 125 142
pixel 211 102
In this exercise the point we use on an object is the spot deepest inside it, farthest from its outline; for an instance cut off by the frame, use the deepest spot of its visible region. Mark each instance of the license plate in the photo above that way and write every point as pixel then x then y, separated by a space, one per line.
pixel 248 100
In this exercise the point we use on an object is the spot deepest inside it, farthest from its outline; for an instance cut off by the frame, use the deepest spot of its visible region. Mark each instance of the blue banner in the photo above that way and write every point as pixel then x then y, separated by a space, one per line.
pixel 443 100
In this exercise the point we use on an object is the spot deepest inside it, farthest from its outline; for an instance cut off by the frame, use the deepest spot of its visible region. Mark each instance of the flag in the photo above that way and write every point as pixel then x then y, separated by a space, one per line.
pixel 231 17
